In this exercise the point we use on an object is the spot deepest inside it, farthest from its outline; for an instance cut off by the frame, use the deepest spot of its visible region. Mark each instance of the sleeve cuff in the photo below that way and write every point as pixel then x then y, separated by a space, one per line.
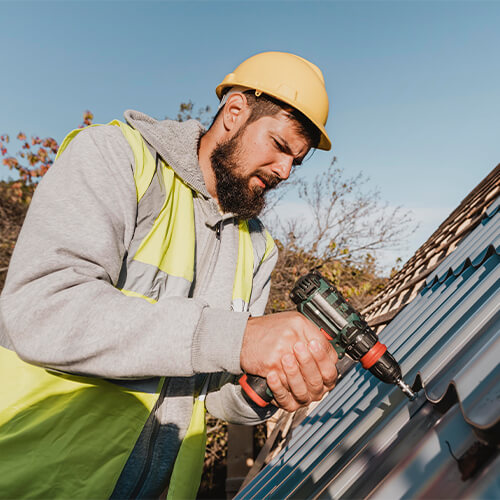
pixel 217 341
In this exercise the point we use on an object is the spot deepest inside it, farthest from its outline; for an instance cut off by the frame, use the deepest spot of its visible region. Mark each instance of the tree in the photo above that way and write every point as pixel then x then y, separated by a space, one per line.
pixel 187 112
pixel 345 225
pixel 32 160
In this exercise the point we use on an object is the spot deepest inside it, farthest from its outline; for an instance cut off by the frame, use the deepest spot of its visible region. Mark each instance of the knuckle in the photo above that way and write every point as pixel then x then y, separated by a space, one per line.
pixel 275 359
pixel 291 407
pixel 287 342
pixel 303 398
pixel 303 356
pixel 331 381
pixel 333 353
pixel 301 403
pixel 318 396
pixel 290 366
pixel 280 395
pixel 329 349
pixel 323 354
pixel 316 385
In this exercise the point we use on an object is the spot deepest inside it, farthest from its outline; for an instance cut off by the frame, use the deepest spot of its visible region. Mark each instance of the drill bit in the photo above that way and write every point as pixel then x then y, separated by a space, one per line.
pixel 406 389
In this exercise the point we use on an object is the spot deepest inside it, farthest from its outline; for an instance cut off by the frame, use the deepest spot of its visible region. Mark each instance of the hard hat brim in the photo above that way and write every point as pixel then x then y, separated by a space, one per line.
pixel 324 142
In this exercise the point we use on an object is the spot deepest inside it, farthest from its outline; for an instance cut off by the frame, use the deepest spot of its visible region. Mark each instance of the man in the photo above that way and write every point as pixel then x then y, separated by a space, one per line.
pixel 136 289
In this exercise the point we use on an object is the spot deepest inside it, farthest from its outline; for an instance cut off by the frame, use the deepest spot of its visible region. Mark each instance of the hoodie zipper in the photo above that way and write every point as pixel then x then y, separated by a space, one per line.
pixel 211 257
pixel 155 428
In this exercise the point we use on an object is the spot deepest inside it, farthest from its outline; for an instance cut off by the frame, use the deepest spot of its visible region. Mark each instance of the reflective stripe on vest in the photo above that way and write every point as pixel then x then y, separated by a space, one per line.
pixel 45 415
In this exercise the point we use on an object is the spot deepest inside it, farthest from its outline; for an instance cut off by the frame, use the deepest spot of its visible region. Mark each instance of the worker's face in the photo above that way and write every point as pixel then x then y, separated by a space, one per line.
pixel 256 159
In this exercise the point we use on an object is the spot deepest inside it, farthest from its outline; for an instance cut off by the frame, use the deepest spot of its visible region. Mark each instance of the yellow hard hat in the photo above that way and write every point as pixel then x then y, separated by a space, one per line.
pixel 290 79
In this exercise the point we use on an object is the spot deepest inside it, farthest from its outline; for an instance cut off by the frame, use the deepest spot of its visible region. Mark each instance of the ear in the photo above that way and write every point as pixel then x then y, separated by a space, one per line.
pixel 235 111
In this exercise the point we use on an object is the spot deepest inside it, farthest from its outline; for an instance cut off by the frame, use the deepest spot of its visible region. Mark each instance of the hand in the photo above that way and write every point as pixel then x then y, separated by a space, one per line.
pixel 292 354
pixel 310 374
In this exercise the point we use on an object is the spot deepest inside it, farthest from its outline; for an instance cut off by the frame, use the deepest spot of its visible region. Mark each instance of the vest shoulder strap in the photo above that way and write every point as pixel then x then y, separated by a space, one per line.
pixel 145 162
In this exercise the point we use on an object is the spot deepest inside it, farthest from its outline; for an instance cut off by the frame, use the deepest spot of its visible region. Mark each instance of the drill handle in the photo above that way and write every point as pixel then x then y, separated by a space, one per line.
pixel 255 389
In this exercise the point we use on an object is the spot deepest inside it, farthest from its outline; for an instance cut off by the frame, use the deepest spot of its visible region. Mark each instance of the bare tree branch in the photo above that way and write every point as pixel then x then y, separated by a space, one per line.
pixel 343 226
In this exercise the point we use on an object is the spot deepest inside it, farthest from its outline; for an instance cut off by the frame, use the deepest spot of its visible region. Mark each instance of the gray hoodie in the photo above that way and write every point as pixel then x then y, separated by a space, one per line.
pixel 60 307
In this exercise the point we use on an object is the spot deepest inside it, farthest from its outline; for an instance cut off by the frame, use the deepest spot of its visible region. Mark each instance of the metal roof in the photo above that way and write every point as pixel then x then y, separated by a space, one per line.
pixel 365 439
pixel 404 286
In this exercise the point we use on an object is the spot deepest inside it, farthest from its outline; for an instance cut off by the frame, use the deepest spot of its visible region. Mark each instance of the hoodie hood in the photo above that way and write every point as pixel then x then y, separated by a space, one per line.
pixel 176 142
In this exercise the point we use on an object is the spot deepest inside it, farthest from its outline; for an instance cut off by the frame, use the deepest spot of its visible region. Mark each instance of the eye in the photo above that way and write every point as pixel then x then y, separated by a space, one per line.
pixel 279 146
pixel 284 149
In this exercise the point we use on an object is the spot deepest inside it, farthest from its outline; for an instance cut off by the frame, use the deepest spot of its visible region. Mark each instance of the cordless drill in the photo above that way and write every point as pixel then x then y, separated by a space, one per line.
pixel 319 301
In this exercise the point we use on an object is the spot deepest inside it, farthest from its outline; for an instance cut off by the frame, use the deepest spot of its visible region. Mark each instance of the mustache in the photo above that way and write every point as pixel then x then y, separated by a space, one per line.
pixel 271 181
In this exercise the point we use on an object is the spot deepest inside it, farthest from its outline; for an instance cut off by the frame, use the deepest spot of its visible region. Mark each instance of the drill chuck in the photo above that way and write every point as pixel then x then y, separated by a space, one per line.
pixel 386 369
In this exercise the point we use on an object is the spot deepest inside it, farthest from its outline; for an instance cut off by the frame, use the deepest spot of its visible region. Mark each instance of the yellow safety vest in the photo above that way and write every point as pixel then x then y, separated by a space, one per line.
pixel 45 415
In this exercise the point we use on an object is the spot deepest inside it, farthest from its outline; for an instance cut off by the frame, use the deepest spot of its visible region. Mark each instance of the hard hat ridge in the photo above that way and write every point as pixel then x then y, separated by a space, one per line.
pixel 288 78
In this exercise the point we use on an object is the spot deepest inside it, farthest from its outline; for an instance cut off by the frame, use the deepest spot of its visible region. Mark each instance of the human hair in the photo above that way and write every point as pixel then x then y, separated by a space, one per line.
pixel 264 105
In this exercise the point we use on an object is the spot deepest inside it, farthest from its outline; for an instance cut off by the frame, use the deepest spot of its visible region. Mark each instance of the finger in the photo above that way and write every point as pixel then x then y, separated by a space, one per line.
pixel 312 332
pixel 282 396
pixel 310 370
pixel 296 382
pixel 326 360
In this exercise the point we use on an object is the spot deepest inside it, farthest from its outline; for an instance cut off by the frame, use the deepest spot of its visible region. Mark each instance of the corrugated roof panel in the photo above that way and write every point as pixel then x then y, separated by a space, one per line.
pixel 487 233
pixel 365 438
pixel 430 458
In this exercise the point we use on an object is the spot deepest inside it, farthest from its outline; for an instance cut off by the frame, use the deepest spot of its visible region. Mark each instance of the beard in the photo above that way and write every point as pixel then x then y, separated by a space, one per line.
pixel 233 187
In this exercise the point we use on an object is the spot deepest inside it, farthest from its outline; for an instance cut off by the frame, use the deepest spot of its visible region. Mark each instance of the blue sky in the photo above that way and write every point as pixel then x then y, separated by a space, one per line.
pixel 414 85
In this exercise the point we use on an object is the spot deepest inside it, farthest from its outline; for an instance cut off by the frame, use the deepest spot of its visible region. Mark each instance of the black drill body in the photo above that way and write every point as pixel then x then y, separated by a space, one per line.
pixel 346 330
pixel 318 300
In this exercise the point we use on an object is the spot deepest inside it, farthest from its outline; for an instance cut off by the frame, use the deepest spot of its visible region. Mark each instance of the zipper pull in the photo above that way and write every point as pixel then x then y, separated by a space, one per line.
pixel 217 230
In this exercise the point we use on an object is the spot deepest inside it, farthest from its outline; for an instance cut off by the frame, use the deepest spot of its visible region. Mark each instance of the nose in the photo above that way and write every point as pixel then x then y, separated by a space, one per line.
pixel 283 167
